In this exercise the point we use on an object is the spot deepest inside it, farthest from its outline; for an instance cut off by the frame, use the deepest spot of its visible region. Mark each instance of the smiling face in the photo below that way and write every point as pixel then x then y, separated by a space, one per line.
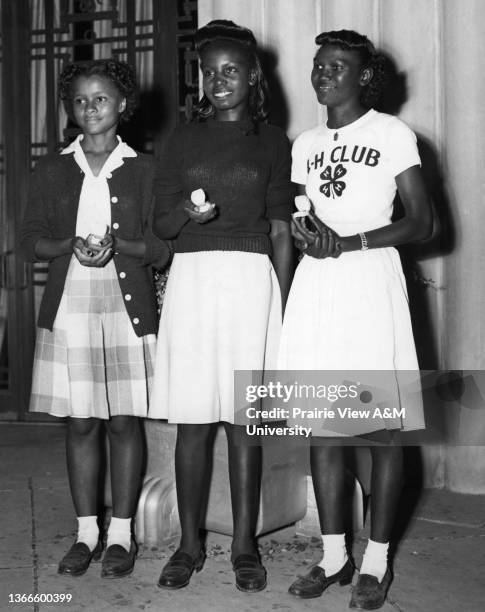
pixel 338 77
pixel 96 104
pixel 227 80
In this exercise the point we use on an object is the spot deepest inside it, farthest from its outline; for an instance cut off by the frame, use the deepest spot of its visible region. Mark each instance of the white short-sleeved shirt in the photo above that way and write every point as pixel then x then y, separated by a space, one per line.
pixel 350 172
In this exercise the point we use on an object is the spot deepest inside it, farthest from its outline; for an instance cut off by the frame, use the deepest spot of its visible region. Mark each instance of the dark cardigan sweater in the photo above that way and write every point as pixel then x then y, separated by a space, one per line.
pixel 51 212
pixel 244 170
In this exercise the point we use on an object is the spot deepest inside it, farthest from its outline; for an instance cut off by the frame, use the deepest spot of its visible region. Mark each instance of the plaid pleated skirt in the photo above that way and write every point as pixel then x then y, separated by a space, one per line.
pixel 92 364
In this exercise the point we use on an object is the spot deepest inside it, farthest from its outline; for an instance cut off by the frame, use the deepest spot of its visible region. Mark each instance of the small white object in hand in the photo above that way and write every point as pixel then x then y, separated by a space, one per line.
pixel 302 203
pixel 303 206
pixel 197 198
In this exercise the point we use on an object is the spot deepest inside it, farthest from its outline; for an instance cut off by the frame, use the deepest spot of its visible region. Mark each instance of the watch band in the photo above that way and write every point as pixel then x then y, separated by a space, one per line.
pixel 363 242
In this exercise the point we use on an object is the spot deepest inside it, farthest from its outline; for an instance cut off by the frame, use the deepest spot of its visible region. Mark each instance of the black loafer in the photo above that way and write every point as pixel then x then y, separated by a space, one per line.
pixel 77 559
pixel 370 594
pixel 117 561
pixel 315 582
pixel 180 567
pixel 250 573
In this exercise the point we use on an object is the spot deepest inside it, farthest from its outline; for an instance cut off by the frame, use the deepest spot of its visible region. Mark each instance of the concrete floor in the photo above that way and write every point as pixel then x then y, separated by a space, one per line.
pixel 439 566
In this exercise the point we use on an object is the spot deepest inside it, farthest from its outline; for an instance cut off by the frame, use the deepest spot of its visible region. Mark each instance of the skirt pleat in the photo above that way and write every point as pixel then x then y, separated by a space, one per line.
pixel 92 364
pixel 351 314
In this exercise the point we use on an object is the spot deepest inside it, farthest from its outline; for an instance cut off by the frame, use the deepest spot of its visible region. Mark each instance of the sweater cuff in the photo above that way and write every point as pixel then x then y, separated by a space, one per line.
pixel 27 250
pixel 171 218
pixel 157 252
pixel 282 212
pixel 179 216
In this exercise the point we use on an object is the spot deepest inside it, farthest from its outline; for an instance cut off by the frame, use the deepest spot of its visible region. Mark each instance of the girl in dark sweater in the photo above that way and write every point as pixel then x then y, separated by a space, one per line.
pixel 230 274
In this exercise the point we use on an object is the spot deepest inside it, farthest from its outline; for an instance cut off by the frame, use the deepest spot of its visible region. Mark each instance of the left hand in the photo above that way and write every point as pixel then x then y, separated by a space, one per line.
pixel 101 244
pixel 108 242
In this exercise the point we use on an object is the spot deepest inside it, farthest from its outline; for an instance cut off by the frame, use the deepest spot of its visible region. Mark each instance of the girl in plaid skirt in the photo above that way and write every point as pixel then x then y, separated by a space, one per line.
pixel 89 215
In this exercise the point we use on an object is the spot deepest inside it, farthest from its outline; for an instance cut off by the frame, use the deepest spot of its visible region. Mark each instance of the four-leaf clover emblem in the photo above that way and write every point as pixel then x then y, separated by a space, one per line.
pixel 332 185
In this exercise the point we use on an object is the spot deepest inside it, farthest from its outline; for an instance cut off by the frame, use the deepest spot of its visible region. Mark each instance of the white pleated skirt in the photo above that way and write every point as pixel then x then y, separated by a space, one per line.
pixel 351 314
pixel 221 313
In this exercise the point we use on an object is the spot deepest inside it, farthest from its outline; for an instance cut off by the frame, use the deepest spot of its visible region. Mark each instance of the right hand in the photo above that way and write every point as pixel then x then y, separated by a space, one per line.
pixel 89 257
pixel 199 217
pixel 321 243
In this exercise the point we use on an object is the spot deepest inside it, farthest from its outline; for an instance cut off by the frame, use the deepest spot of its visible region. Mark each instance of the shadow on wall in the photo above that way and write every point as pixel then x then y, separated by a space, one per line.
pixel 148 120
pixel 420 286
pixel 423 290
pixel 279 110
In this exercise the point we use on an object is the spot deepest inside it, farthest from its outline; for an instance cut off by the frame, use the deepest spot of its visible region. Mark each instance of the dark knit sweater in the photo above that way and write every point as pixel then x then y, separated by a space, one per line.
pixel 55 187
pixel 244 171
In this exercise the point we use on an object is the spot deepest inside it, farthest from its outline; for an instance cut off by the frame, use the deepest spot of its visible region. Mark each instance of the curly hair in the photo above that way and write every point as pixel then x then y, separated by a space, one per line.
pixel 224 30
pixel 349 40
pixel 119 73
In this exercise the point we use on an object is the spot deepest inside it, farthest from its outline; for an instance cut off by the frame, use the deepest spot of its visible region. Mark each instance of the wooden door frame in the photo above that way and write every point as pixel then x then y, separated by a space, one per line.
pixel 16 122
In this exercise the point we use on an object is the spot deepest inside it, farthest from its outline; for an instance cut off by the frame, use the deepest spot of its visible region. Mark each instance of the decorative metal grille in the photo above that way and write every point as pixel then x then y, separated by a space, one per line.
pixel 188 64
pixel 71 30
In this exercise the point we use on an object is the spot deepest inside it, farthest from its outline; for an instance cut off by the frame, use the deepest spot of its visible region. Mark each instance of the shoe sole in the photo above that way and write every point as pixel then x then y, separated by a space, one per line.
pixel 65 572
pixel 306 596
pixel 355 606
pixel 341 583
pixel 196 570
pixel 111 576
pixel 173 588
pixel 252 590
pixel 73 574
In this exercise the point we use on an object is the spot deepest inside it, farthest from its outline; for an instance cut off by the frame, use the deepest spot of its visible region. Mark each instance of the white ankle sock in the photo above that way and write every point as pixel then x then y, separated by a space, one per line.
pixel 334 553
pixel 88 531
pixel 119 532
pixel 375 559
